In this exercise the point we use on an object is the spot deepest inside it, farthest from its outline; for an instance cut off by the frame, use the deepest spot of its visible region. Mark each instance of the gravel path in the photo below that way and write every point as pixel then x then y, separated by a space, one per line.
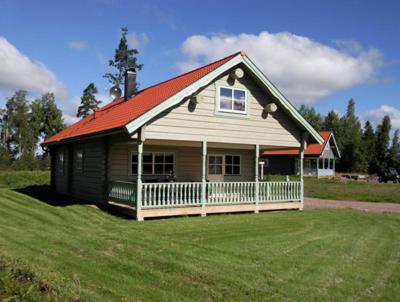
pixel 381 207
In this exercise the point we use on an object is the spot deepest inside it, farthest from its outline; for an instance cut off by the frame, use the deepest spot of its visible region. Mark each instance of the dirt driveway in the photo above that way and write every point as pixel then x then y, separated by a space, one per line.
pixel 381 207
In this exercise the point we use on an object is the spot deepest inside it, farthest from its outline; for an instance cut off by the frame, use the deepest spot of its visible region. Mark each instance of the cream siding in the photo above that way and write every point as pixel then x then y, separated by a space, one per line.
pixel 187 162
pixel 203 121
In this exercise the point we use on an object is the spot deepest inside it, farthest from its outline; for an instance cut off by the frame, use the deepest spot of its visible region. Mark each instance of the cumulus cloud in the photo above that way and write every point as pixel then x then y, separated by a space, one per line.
pixel 376 115
pixel 17 71
pixel 137 41
pixel 77 44
pixel 303 69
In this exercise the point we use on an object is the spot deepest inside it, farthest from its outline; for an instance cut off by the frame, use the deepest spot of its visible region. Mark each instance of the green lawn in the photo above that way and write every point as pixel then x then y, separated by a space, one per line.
pixel 79 251
pixel 351 190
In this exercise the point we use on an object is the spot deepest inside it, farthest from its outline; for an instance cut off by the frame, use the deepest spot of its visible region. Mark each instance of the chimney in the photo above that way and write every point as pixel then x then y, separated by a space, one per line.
pixel 130 83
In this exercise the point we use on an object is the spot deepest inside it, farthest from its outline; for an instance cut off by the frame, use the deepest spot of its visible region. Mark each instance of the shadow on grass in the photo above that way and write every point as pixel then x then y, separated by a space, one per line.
pixel 46 195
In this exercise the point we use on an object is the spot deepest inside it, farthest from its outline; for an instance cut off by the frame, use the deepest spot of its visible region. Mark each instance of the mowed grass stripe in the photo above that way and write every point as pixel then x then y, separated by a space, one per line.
pixel 314 255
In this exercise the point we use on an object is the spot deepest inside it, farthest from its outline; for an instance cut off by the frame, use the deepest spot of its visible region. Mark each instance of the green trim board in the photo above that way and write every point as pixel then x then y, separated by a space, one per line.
pixel 134 125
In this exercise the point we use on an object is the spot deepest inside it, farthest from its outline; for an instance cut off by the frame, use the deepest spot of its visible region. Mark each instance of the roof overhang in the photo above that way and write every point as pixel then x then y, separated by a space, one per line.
pixel 240 58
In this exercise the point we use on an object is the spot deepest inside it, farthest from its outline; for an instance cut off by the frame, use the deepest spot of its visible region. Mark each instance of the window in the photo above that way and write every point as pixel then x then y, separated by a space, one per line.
pixel 79 160
pixel 232 100
pixel 331 164
pixel 232 165
pixel 60 163
pixel 215 163
pixel 154 163
pixel 321 163
pixel 326 163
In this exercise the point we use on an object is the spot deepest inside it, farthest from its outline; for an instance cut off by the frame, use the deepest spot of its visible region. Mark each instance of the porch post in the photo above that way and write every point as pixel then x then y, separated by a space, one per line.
pixel 203 177
pixel 139 146
pixel 257 187
pixel 301 166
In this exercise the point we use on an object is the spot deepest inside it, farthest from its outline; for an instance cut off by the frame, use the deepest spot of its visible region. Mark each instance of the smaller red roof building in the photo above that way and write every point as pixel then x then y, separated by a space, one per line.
pixel 312 149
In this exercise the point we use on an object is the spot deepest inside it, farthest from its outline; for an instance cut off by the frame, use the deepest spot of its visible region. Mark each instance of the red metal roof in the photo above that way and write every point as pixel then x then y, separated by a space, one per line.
pixel 118 113
pixel 312 149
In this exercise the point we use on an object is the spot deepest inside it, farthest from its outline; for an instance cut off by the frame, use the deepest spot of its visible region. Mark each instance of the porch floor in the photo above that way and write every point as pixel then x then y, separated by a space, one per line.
pixel 203 211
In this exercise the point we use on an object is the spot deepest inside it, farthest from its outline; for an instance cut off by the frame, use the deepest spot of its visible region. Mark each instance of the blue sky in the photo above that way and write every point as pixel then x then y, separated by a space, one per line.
pixel 317 52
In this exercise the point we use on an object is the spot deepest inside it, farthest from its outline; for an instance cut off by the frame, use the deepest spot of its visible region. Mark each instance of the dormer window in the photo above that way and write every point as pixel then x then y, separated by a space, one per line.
pixel 232 100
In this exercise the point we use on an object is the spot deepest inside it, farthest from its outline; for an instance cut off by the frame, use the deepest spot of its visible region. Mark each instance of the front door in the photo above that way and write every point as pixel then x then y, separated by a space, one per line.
pixel 215 168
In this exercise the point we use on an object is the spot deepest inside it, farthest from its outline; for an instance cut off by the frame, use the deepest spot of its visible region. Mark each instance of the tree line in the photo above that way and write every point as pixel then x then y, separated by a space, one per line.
pixel 24 124
pixel 364 148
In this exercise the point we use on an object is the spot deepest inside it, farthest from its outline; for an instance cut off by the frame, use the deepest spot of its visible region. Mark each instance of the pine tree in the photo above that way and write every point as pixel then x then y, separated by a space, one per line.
pixel 89 103
pixel 369 140
pixel 382 145
pixel 311 116
pixel 124 59
pixel 394 151
pixel 353 156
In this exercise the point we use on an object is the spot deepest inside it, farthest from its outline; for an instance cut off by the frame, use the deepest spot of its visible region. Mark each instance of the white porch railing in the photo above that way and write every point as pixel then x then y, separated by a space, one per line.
pixel 171 194
pixel 176 194
pixel 230 192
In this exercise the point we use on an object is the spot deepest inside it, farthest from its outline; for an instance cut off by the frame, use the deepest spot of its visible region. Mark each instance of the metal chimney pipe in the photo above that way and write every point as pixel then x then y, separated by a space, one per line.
pixel 130 83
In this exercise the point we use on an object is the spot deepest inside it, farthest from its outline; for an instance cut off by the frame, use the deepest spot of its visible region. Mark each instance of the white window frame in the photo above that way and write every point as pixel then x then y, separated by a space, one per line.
pixel 246 105
pixel 240 164
pixel 153 153
pixel 224 163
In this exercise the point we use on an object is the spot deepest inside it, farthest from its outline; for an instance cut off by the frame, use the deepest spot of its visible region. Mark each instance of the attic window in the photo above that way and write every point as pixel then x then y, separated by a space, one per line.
pixel 232 100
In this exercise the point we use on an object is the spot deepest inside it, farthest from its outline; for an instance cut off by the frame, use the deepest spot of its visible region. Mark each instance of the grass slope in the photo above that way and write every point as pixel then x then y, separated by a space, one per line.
pixel 351 190
pixel 22 179
pixel 315 255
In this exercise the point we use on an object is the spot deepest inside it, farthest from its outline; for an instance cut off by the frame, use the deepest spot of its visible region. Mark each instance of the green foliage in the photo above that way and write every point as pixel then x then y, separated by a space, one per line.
pixel 351 190
pixel 382 145
pixel 22 179
pixel 332 122
pixel 313 255
pixel 394 151
pixel 89 103
pixel 23 124
pixel 311 116
pixel 124 59
pixel 353 154
pixel 368 143
pixel 52 121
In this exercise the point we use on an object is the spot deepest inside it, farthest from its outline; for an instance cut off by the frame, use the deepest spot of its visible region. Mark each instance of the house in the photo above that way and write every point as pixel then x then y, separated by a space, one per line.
pixel 319 160
pixel 189 145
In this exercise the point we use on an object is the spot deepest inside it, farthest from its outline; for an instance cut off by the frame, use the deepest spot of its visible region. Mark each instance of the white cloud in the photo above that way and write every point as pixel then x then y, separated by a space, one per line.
pixel 17 71
pixel 376 115
pixel 303 69
pixel 77 44
pixel 138 41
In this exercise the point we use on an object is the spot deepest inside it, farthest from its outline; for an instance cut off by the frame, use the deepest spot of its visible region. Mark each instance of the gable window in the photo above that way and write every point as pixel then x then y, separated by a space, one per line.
pixel 154 163
pixel 232 164
pixel 60 163
pixel 79 160
pixel 232 100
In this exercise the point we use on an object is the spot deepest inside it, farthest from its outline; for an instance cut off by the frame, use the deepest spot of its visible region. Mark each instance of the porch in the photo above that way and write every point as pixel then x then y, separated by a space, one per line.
pixel 201 198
